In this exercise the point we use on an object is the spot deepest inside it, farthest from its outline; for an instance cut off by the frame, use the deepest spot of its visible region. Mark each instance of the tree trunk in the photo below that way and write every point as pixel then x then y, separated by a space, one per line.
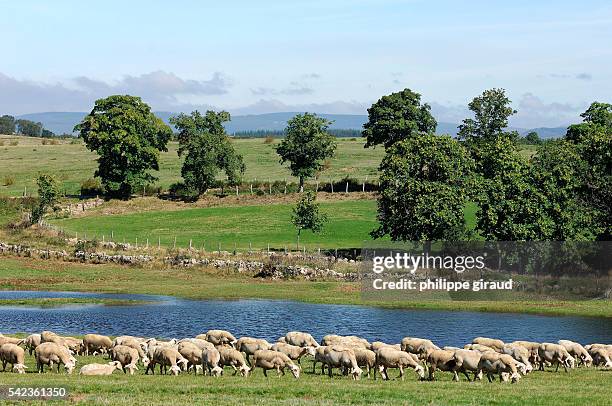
pixel 301 184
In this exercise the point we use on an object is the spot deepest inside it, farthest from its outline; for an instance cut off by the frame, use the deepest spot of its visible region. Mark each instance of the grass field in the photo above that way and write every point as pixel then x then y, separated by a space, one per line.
pixel 201 283
pixel 580 386
pixel 349 225
pixel 73 163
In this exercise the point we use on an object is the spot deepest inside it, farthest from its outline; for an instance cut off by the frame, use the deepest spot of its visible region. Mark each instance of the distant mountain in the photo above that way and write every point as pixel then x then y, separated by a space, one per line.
pixel 64 122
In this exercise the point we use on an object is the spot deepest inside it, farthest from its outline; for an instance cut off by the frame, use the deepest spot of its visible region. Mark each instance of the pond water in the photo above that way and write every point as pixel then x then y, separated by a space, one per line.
pixel 169 317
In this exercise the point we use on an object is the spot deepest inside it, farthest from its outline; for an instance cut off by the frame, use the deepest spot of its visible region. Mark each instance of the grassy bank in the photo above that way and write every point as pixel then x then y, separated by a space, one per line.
pixel 582 386
pixel 68 301
pixel 198 283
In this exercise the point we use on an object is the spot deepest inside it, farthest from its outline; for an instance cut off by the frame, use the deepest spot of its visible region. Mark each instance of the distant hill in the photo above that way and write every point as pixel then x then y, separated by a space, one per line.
pixel 64 122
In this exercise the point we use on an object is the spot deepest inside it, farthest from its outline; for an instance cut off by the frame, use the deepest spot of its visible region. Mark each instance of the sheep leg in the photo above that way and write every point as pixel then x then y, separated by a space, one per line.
pixel 265 372
pixel 278 371
pixel 557 369
pixel 401 369
pixel 3 366
pixel 329 370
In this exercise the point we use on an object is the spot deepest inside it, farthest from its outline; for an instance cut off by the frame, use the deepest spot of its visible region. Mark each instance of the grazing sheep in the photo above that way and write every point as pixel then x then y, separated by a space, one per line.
pixel 31 342
pixel 201 344
pixel 210 362
pixel 365 358
pixel 602 356
pixel 166 356
pixel 229 356
pixel 192 353
pixel 294 352
pixel 137 345
pixel 319 357
pixel 120 339
pixel 268 359
pixel 379 344
pixel 578 352
pixel 532 347
pixel 300 339
pixel 73 344
pixel 51 337
pixel 387 357
pixel 496 363
pixel 96 342
pixel 443 360
pixel 336 356
pixel 127 356
pixel 478 347
pixel 467 361
pixel 218 337
pixel 248 345
pixel 555 354
pixel 49 353
pixel 11 340
pixel 347 341
pixel 521 354
pixel 14 355
pixel 494 343
pixel 418 346
pixel 100 369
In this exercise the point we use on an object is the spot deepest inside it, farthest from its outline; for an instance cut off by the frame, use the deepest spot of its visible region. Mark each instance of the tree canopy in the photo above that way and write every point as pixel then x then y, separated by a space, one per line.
pixel 7 124
pixel 306 145
pixel 207 149
pixel 424 182
pixel 128 138
pixel 307 215
pixel 397 117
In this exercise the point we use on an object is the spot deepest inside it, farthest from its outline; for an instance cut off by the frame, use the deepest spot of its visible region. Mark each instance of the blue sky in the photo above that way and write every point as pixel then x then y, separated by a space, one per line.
pixel 553 57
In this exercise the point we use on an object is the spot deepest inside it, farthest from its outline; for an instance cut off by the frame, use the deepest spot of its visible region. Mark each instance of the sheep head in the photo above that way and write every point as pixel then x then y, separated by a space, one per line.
pixel 19 368
pixel 175 370
pixel 295 370
pixel 244 370
pixel 217 371
pixel 357 373
pixel 420 371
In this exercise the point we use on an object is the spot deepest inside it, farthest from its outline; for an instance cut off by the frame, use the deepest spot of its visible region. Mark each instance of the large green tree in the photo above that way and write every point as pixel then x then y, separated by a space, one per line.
pixel 397 117
pixel 7 124
pixel 207 149
pixel 128 138
pixel 306 145
pixel 592 140
pixel 559 175
pixel 424 182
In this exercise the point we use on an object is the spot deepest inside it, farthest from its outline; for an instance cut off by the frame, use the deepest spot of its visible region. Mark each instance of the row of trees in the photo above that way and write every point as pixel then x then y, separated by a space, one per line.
pixel 563 192
pixel 9 125
pixel 128 138
pixel 427 180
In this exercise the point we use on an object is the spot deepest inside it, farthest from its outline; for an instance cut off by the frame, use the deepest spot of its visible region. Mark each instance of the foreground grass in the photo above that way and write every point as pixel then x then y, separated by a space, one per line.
pixel 580 386
pixel 73 163
pixel 199 283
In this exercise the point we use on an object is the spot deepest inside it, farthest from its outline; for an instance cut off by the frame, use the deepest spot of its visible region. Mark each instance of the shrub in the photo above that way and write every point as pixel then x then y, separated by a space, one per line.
pixel 9 180
pixel 44 141
pixel 269 139
pixel 91 187
pixel 1 143
pixel 181 191
pixel 14 143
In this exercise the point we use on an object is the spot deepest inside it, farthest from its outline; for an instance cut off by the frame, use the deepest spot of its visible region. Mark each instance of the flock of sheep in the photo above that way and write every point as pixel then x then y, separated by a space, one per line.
pixel 209 353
